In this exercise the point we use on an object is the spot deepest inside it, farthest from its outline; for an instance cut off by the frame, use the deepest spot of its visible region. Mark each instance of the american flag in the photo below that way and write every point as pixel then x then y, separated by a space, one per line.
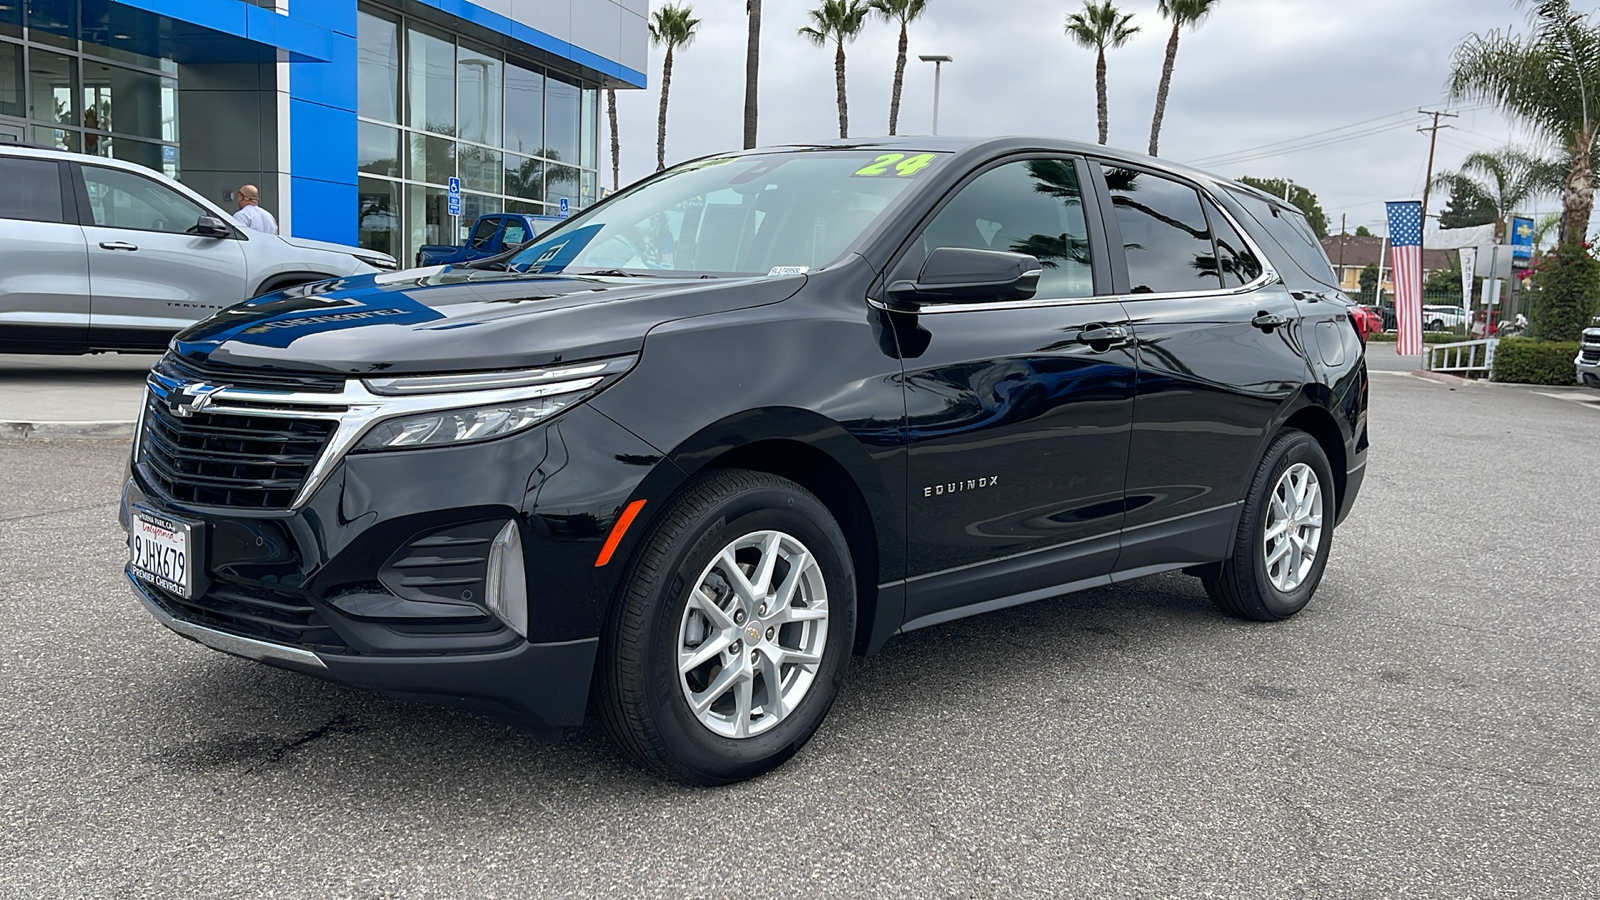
pixel 1405 242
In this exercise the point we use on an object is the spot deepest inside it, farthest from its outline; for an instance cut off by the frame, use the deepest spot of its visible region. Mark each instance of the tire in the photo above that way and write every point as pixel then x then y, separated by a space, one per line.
pixel 644 700
pixel 1247 584
pixel 1436 325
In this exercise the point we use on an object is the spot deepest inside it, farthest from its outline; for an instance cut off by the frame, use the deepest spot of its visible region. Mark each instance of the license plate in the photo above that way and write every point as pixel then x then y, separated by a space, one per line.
pixel 161 551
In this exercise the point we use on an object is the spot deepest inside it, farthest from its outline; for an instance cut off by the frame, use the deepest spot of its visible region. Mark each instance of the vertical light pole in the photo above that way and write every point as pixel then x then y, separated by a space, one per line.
pixel 1288 184
pixel 938 67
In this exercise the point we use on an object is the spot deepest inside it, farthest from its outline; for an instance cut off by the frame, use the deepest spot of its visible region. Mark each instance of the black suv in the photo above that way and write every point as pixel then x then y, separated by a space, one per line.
pixel 677 460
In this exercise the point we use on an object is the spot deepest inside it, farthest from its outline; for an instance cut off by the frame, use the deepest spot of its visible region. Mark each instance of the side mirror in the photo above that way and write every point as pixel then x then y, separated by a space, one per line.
pixel 212 227
pixel 960 275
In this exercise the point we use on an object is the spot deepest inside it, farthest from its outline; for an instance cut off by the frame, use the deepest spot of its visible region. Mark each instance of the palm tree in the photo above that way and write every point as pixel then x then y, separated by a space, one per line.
pixel 1508 178
pixel 1099 26
pixel 616 143
pixel 752 68
pixel 905 12
pixel 671 27
pixel 837 21
pixel 1181 12
pixel 1543 79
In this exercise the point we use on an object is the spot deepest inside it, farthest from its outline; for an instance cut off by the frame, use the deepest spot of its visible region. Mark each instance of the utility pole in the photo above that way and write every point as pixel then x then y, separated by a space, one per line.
pixel 1427 183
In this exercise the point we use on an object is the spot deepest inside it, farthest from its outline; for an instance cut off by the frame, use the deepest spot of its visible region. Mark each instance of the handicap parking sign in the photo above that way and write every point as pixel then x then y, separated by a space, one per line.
pixel 453 200
pixel 566 207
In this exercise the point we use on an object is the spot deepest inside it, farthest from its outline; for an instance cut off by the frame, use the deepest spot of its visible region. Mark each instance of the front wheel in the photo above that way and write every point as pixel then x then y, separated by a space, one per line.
pixel 1436 325
pixel 1285 532
pixel 733 631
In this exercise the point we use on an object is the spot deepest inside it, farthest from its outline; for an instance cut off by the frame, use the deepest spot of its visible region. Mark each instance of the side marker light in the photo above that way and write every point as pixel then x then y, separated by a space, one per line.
pixel 617 531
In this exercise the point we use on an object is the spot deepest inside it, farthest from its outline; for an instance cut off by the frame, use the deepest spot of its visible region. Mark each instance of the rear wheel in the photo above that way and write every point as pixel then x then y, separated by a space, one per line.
pixel 1436 325
pixel 1285 532
pixel 733 632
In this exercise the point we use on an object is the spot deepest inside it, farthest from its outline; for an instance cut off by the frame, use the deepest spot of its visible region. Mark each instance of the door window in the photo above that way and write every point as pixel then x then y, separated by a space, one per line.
pixel 30 189
pixel 121 199
pixel 483 233
pixel 1238 264
pixel 1164 234
pixel 1032 206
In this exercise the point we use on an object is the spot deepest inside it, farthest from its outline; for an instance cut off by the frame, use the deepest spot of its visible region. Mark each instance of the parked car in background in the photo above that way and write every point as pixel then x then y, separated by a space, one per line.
pixel 490 234
pixel 1369 320
pixel 1588 361
pixel 98 254
pixel 1441 318
pixel 677 460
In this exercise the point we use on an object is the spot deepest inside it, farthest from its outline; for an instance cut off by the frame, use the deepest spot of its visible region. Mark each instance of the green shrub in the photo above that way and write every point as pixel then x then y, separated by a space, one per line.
pixel 1527 361
pixel 1428 337
pixel 1565 284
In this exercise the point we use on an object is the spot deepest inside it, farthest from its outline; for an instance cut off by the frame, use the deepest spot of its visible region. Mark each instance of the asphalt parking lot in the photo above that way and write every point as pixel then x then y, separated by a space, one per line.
pixel 1428 727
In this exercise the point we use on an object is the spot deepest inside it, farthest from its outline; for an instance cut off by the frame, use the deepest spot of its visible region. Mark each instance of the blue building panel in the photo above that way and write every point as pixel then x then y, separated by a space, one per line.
pixel 323 210
pixel 328 83
pixel 322 141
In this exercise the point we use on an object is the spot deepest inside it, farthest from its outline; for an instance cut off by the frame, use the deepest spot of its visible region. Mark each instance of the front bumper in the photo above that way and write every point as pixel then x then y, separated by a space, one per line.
pixel 331 588
pixel 1588 368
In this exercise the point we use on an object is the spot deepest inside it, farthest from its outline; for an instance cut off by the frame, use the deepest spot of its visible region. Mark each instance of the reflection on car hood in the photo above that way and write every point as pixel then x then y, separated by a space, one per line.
pixel 449 319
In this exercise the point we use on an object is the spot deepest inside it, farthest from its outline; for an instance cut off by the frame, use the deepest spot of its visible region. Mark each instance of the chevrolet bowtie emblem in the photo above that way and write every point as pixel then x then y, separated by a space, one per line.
pixel 193 398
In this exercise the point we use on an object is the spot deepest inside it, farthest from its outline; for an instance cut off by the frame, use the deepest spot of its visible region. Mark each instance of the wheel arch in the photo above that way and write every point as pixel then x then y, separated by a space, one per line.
pixel 1320 423
pixel 821 456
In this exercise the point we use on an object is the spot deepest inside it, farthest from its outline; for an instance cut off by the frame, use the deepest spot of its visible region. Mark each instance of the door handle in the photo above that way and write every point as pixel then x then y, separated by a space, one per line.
pixel 1267 321
pixel 118 245
pixel 1103 337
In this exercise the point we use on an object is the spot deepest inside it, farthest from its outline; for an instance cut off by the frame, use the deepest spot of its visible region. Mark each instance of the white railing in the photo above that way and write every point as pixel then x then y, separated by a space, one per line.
pixel 1465 358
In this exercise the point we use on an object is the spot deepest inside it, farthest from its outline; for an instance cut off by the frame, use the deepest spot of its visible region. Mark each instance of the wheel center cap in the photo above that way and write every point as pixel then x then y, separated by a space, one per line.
pixel 753 634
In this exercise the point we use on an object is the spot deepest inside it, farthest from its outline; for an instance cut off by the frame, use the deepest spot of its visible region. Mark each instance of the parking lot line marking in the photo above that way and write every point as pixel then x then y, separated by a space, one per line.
pixel 1592 401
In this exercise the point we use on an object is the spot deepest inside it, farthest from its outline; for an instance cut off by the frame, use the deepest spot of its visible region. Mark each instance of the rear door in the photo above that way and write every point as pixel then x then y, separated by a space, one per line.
pixel 1018 413
pixel 149 277
pixel 44 266
pixel 1220 352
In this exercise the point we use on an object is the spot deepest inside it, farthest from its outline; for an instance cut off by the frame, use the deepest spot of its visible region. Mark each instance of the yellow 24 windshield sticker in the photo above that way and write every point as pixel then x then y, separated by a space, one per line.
pixel 897 164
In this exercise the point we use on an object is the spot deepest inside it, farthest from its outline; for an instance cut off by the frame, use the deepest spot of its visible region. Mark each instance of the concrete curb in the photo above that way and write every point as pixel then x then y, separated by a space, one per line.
pixel 53 430
pixel 1442 378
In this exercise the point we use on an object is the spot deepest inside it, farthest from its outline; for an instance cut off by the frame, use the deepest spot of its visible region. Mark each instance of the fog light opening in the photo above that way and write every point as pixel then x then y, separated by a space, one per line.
pixel 507 591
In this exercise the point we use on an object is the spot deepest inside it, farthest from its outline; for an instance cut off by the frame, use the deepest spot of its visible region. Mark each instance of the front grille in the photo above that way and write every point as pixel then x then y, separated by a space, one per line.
pixel 229 459
pixel 1591 355
pixel 176 368
pixel 252 612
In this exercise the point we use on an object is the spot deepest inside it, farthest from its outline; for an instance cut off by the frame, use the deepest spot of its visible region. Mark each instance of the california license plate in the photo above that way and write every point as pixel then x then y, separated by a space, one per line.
pixel 161 551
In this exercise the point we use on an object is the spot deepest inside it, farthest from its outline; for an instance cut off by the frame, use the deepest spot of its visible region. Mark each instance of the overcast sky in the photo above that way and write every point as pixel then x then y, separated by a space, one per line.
pixel 1256 73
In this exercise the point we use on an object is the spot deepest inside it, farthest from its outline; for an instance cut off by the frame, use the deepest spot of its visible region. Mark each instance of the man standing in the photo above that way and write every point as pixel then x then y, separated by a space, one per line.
pixel 250 213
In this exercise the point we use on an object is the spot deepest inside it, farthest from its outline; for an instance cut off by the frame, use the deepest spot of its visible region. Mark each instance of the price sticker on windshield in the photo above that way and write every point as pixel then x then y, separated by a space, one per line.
pixel 896 165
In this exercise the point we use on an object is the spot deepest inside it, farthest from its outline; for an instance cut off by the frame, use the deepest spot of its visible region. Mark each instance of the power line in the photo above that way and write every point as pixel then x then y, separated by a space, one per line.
pixel 1314 140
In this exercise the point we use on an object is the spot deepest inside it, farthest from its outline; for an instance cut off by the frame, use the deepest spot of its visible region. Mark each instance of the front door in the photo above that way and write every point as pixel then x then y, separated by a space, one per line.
pixel 1018 413
pixel 149 277
pixel 1220 354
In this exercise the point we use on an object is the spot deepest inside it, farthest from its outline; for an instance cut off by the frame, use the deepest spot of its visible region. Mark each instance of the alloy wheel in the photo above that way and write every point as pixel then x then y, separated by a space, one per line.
pixel 1294 528
pixel 752 634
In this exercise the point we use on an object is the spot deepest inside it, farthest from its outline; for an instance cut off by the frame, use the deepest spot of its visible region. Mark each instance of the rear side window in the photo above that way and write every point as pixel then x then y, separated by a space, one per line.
pixel 1239 266
pixel 1291 231
pixel 1164 233
pixel 516 233
pixel 30 189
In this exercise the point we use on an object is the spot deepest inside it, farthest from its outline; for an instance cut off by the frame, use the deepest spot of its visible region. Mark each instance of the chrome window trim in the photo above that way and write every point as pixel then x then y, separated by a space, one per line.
pixel 356 410
pixel 1269 275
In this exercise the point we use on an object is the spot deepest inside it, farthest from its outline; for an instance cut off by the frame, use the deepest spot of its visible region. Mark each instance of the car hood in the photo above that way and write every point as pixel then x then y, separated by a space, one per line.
pixel 452 319
pixel 357 252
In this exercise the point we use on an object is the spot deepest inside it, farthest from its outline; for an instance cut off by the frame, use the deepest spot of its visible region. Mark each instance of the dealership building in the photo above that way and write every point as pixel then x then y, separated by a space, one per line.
pixel 352 118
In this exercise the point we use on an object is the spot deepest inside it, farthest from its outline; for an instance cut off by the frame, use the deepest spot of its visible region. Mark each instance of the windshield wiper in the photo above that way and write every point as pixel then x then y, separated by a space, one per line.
pixel 616 273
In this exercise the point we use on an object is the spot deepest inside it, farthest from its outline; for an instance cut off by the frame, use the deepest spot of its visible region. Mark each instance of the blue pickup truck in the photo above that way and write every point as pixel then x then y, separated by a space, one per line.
pixel 490 234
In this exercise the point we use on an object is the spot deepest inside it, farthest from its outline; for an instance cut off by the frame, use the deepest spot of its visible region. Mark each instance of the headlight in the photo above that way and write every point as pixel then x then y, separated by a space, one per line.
pixel 507 402
pixel 463 426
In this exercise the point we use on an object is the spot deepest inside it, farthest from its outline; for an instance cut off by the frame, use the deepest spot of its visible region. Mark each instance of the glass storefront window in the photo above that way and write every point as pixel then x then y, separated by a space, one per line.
pixel 378 150
pixel 11 18
pixel 377 67
pixel 58 138
pixel 524 110
pixel 378 225
pixel 589 193
pixel 562 119
pixel 524 177
pixel 590 130
pixel 475 205
pixel 129 102
pixel 11 81
pixel 432 159
pixel 431 81
pixel 427 209
pixel 478 77
pixel 118 54
pixel 53 23
pixel 52 88
pixel 479 168
pixel 562 182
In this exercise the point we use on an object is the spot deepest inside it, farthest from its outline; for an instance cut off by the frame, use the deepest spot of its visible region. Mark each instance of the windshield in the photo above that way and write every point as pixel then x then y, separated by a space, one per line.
pixel 773 213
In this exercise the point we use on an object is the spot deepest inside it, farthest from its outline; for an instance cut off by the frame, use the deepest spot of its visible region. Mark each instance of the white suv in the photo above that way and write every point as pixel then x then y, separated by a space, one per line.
pixel 97 254
pixel 1439 318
